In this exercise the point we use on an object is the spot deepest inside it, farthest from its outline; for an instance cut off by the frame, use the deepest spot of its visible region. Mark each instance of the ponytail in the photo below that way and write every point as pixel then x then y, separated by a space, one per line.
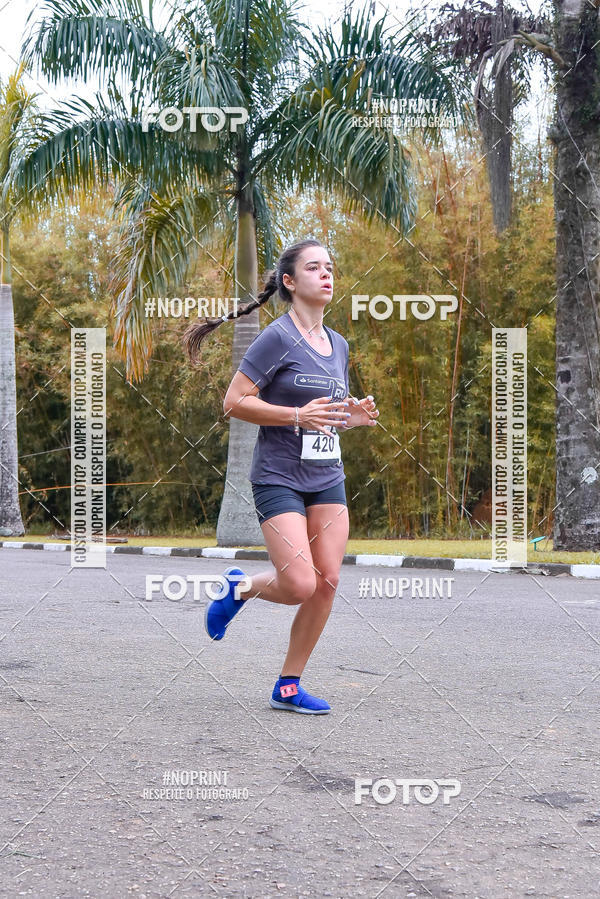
pixel 196 332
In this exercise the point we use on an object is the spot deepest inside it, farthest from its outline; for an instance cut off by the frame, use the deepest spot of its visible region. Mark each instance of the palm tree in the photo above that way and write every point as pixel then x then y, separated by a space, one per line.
pixel 174 188
pixel 478 33
pixel 20 130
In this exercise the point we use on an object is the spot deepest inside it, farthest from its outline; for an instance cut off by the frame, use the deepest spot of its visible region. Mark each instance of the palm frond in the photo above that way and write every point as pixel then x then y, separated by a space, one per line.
pixel 16 108
pixel 373 59
pixel 76 155
pixel 263 209
pixel 464 33
pixel 369 167
pixel 197 76
pixel 314 139
pixel 155 250
pixel 81 38
pixel 258 37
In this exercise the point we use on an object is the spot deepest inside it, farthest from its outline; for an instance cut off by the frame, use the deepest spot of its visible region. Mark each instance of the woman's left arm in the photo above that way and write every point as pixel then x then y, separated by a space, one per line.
pixel 362 412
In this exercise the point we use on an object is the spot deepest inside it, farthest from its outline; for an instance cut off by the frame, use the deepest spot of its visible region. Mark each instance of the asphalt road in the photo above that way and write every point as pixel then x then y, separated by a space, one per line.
pixel 107 697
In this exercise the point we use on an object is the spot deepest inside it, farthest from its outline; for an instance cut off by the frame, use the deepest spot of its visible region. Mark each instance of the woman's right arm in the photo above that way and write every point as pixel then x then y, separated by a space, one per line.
pixel 242 401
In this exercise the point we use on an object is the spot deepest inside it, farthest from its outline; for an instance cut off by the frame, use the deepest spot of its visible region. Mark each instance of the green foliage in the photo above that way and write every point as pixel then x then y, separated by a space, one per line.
pixel 219 53
pixel 411 475
pixel 168 432
pixel 423 470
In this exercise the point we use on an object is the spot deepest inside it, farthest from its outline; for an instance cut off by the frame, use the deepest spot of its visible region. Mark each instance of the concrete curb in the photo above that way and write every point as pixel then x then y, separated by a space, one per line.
pixel 552 569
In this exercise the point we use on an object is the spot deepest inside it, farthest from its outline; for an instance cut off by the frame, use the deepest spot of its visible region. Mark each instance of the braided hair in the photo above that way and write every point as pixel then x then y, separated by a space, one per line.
pixel 273 283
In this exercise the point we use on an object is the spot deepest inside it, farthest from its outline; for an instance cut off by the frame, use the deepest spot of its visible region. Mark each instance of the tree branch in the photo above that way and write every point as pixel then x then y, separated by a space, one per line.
pixel 532 40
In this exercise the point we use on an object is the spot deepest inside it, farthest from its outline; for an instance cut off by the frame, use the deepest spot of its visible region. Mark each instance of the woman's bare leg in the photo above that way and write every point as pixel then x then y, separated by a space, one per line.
pixel 292 577
pixel 327 534
pixel 307 554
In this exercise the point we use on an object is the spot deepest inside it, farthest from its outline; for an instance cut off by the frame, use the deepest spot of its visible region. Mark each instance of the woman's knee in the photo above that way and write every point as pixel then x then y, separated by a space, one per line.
pixel 327 582
pixel 299 585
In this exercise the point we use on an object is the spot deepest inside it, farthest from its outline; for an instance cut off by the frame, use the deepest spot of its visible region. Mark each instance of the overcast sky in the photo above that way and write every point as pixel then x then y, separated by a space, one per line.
pixel 14 13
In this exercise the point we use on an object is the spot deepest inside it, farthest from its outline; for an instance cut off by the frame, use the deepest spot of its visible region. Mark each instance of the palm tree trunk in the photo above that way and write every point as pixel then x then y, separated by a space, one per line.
pixel 577 203
pixel 238 524
pixel 495 120
pixel 11 523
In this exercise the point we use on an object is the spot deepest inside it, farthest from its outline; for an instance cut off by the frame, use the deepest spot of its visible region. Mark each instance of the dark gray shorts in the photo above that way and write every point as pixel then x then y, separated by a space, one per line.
pixel 273 499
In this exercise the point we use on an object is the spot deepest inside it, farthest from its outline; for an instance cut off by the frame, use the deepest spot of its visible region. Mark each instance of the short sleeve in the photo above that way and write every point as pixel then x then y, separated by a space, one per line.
pixel 264 357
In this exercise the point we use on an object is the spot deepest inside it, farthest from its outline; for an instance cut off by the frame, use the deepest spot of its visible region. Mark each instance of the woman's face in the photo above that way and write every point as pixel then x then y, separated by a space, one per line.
pixel 313 277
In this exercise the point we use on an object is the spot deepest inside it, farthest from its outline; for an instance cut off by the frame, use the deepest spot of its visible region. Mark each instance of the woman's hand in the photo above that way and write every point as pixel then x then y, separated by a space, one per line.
pixel 362 412
pixel 322 413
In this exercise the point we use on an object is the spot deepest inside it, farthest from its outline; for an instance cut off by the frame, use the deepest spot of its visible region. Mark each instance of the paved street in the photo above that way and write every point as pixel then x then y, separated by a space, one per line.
pixel 108 698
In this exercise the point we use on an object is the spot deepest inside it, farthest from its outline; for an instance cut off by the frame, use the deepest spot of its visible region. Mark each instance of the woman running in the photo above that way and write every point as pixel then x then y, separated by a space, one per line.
pixel 293 382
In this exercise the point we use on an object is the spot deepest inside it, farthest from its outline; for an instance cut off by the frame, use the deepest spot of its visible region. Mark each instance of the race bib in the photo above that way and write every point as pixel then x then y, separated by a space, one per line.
pixel 319 448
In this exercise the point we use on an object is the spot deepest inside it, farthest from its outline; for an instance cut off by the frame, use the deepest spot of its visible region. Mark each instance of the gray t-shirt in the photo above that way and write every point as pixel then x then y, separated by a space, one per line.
pixel 289 372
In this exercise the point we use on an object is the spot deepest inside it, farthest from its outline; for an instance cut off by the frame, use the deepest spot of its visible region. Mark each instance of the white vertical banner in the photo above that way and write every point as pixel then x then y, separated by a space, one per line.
pixel 88 447
pixel 509 446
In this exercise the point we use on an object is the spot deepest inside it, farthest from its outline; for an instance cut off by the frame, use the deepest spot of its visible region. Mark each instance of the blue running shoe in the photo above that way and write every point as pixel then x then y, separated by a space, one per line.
pixel 220 611
pixel 291 697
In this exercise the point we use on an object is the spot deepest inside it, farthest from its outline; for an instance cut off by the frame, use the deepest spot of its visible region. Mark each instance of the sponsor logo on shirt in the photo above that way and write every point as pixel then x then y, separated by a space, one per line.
pixel 334 387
